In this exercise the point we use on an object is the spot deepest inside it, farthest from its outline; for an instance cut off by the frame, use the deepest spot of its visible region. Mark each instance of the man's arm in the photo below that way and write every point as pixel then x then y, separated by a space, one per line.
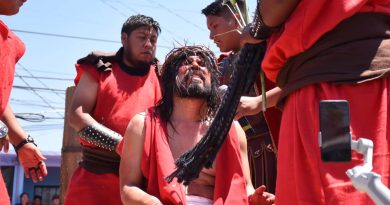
pixel 244 156
pixel 258 196
pixel 83 103
pixel 130 174
pixel 253 105
pixel 29 155
pixel 275 12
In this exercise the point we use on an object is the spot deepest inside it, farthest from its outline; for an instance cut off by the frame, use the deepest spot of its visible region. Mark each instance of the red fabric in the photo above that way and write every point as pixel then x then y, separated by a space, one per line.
pixel 302 177
pixel 119 98
pixel 4 198
pixel 158 163
pixel 95 189
pixel 309 21
pixel 11 50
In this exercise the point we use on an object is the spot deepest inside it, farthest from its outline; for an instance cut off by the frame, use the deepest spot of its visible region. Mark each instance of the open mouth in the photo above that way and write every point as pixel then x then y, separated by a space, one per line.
pixel 194 76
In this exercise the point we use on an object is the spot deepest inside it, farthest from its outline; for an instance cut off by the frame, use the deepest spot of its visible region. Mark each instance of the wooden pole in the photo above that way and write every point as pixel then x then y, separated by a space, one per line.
pixel 71 148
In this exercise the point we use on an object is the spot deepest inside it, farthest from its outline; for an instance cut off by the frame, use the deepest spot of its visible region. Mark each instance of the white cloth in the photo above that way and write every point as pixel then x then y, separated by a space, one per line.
pixel 198 200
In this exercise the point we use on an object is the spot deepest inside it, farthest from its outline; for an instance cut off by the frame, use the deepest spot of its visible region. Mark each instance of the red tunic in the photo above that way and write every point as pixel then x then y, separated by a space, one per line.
pixel 11 50
pixel 302 177
pixel 157 163
pixel 119 98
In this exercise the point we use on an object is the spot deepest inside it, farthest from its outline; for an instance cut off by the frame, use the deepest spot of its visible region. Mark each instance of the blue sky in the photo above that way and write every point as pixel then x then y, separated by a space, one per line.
pixel 56 32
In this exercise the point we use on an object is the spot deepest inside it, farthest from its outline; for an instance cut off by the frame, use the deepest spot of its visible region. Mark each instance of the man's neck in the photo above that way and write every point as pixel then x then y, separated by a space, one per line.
pixel 131 70
pixel 188 109
pixel 127 63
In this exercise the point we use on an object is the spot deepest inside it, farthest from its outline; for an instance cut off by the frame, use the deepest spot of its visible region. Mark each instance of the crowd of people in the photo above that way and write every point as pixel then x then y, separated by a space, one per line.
pixel 135 116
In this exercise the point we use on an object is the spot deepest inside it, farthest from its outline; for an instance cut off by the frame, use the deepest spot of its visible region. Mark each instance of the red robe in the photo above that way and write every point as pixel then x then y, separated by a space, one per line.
pixel 11 50
pixel 157 163
pixel 302 177
pixel 119 98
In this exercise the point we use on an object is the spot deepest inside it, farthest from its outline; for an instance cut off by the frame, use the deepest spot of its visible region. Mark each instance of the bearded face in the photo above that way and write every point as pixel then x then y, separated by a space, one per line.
pixel 193 79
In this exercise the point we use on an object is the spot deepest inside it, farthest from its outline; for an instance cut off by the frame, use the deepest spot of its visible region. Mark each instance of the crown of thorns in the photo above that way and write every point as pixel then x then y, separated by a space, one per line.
pixel 177 55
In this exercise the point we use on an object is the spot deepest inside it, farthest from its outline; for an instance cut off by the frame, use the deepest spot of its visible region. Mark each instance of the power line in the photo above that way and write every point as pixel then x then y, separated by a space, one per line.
pixel 44 127
pixel 157 7
pixel 31 103
pixel 37 94
pixel 178 15
pixel 37 88
pixel 40 81
pixel 65 36
pixel 35 102
pixel 126 15
pixel 136 12
pixel 51 72
pixel 74 37
pixel 45 78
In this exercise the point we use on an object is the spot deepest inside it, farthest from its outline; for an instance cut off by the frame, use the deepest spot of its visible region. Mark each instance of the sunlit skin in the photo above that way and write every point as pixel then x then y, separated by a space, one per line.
pixel 139 46
pixel 196 63
pixel 10 7
pixel 224 32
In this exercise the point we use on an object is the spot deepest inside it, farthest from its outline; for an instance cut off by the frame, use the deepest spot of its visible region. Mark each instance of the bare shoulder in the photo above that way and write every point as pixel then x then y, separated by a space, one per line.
pixel 138 119
pixel 136 124
pixel 134 135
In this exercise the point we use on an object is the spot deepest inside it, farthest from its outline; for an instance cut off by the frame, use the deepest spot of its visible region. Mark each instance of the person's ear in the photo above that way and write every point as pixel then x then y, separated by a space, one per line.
pixel 124 38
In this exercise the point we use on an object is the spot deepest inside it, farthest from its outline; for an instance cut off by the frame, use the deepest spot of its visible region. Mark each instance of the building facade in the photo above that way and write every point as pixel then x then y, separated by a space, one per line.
pixel 16 182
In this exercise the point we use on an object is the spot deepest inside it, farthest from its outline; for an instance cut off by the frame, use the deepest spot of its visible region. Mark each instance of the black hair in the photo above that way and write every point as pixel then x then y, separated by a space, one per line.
pixel 23 193
pixel 219 8
pixel 136 21
pixel 169 71
pixel 38 197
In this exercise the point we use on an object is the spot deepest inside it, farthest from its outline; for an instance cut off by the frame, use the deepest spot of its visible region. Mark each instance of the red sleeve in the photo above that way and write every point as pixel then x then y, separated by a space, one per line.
pixel 81 68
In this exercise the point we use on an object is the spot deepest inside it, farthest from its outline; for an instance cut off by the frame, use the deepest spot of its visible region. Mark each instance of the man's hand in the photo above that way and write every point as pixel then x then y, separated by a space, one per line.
pixel 248 106
pixel 260 197
pixel 246 38
pixel 4 143
pixel 33 162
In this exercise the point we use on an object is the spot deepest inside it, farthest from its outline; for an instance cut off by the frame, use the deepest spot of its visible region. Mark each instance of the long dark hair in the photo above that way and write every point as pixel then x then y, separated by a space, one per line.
pixel 169 71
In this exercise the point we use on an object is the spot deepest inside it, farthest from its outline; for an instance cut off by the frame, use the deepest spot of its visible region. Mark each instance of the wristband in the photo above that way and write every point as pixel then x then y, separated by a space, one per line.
pixel 3 130
pixel 100 136
pixel 29 139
